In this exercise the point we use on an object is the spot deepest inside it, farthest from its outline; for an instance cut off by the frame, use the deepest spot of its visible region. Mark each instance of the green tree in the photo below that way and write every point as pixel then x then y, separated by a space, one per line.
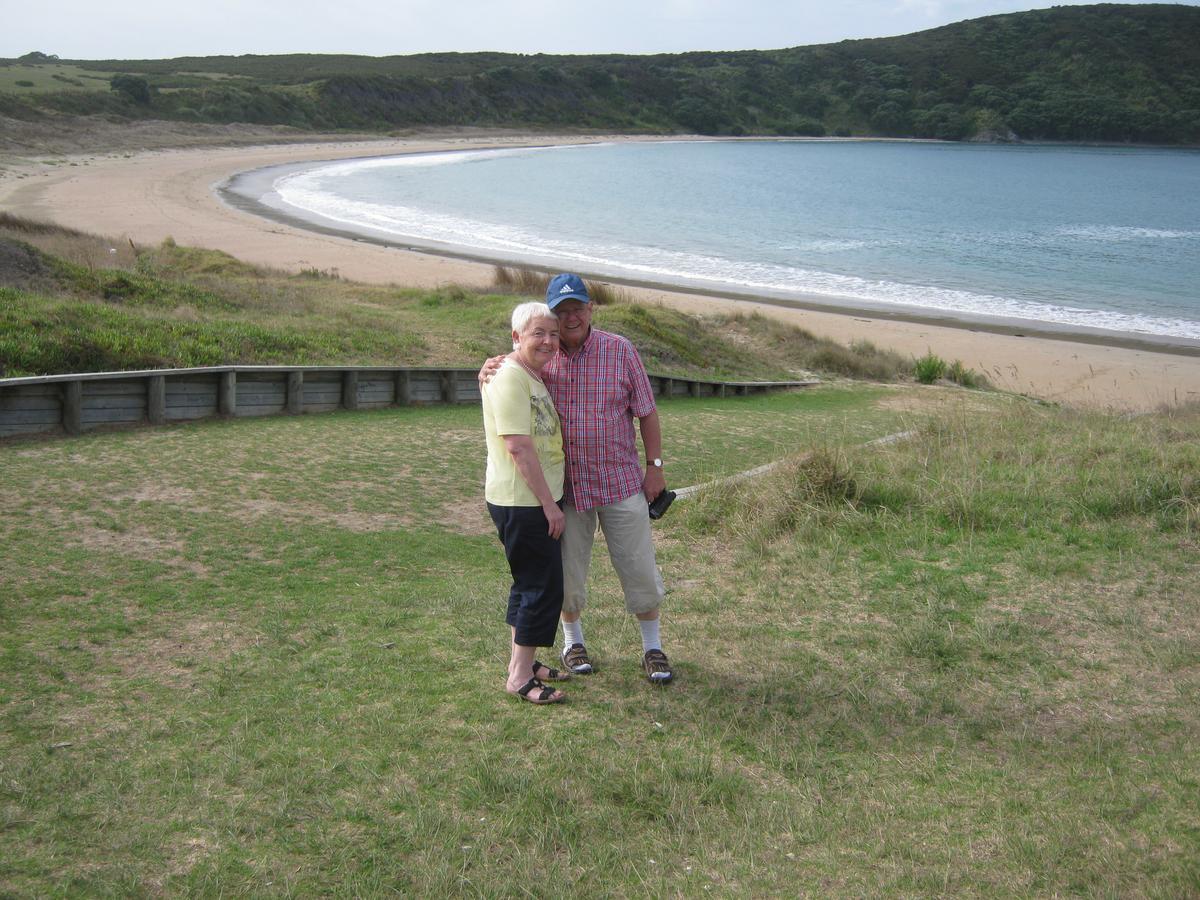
pixel 135 88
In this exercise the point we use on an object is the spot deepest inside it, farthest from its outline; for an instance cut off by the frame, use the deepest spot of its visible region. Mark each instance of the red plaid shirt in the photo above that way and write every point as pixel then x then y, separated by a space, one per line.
pixel 599 390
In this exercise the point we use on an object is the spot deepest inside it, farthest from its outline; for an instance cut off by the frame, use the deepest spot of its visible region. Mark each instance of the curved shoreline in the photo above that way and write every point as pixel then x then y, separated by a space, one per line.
pixel 233 194
pixel 147 197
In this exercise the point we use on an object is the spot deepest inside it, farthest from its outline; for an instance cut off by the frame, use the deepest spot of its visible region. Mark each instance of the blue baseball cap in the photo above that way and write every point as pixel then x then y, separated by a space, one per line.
pixel 566 287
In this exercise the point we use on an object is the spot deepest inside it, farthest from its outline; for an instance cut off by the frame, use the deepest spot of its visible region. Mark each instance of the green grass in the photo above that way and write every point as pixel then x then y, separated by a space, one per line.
pixel 78 302
pixel 266 657
pixel 51 77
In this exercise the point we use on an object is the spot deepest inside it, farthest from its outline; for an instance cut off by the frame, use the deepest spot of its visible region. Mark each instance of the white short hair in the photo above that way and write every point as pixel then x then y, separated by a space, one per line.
pixel 528 312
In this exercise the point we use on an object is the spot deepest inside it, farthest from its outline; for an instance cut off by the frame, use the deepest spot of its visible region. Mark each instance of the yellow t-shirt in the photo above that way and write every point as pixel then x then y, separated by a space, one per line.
pixel 516 403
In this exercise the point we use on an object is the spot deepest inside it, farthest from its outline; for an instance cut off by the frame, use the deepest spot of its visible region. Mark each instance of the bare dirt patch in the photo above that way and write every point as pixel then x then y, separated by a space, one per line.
pixel 178 655
pixel 140 543
pixel 929 399
pixel 184 855
pixel 469 519
pixel 162 493
pixel 169 657
pixel 312 514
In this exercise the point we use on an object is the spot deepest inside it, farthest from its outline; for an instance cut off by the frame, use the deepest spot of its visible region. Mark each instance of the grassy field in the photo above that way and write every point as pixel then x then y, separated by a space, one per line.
pixel 266 658
pixel 18 78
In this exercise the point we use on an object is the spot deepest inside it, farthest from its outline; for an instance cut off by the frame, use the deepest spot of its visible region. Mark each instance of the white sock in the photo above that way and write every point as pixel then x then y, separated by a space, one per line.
pixel 650 640
pixel 572 633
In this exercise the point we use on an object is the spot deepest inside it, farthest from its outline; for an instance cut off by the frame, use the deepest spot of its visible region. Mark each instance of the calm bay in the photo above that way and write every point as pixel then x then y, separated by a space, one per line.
pixel 1069 238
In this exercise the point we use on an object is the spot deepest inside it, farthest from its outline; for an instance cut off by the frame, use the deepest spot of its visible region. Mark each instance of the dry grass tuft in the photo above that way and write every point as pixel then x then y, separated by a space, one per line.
pixel 532 283
pixel 91 251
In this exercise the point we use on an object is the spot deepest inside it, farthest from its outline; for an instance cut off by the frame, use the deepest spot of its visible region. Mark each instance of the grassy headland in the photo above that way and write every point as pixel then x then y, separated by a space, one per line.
pixel 72 302
pixel 1107 72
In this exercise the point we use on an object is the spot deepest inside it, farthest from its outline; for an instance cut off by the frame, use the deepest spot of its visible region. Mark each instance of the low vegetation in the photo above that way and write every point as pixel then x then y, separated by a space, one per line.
pixel 72 302
pixel 533 283
pixel 265 657
pixel 1107 72
pixel 931 368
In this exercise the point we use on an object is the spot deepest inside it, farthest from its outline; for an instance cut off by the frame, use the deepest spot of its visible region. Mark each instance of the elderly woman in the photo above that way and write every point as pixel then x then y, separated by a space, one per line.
pixel 524 488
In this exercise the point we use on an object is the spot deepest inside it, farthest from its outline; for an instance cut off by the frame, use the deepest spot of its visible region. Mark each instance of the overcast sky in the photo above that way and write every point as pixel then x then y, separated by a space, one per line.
pixel 155 29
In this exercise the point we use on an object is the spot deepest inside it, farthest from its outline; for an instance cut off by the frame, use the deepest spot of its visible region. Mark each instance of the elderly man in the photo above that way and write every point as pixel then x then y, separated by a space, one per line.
pixel 599 387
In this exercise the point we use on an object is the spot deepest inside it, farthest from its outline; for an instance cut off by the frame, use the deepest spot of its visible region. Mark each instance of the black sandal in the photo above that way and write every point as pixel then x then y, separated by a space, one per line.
pixel 546 694
pixel 553 674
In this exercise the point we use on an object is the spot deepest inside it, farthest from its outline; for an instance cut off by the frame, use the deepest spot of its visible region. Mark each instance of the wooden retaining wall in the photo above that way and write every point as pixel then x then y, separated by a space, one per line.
pixel 73 404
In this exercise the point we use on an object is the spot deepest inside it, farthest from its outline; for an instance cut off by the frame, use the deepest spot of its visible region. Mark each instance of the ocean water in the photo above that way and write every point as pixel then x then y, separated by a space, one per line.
pixel 1069 237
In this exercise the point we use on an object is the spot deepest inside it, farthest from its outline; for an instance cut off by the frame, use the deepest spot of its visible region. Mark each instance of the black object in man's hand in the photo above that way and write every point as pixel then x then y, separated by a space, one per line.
pixel 659 504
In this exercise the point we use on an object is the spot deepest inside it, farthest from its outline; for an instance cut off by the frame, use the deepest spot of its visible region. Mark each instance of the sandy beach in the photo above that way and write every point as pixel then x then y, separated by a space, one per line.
pixel 148 196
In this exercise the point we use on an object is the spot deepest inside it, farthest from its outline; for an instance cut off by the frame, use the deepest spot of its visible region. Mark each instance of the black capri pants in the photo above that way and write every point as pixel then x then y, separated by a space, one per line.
pixel 535 561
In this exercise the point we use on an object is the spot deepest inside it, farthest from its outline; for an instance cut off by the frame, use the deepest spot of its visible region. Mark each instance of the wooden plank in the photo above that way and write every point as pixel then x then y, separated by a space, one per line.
pixel 156 399
pixel 124 387
pixel 448 387
pixel 73 407
pixel 191 410
pixel 350 389
pixel 124 402
pixel 264 401
pixel 136 375
pixel 468 390
pixel 375 388
pixel 424 387
pixel 190 413
pixel 31 390
pixel 251 411
pixel 322 396
pixel 257 379
pixel 227 394
pixel 327 378
pixel 322 387
pixel 26 417
pixel 259 393
pixel 14 429
pixel 204 386
pixel 403 389
pixel 18 401
pixel 209 403
pixel 295 392
pixel 120 416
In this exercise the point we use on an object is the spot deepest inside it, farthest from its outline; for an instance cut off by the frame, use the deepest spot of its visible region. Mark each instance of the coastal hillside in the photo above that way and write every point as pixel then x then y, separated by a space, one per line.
pixel 1107 73
pixel 75 302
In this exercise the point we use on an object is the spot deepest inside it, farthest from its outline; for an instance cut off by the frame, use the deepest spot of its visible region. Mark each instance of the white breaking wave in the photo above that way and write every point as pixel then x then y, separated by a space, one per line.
pixel 834 246
pixel 310 177
pixel 306 191
pixel 1113 233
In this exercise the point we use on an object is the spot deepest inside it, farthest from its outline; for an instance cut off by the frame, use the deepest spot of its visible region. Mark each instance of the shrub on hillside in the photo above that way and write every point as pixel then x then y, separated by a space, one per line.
pixel 929 368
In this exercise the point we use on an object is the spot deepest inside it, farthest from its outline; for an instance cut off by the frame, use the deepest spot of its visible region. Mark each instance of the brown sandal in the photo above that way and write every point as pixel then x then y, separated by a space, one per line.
pixel 551 674
pixel 546 694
